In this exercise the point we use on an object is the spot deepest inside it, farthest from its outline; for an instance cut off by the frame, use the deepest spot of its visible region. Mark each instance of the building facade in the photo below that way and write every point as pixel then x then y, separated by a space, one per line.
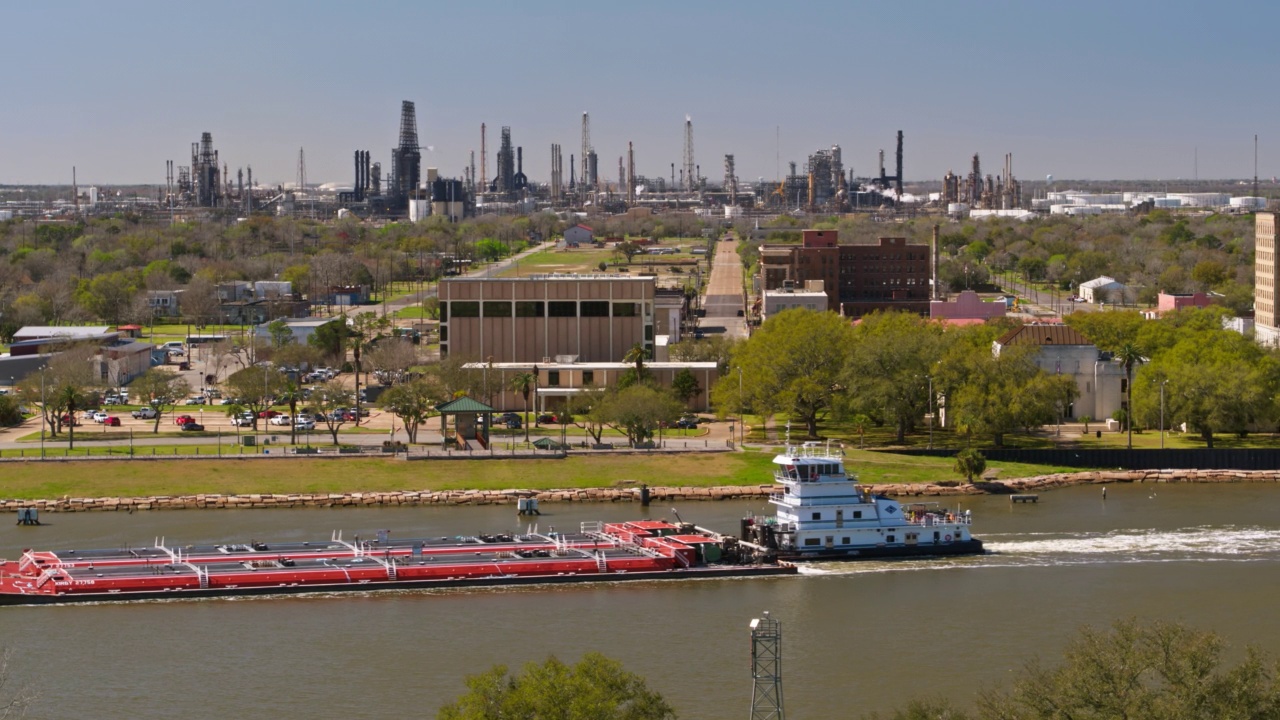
pixel 1100 380
pixel 1264 280
pixel 859 279
pixel 559 382
pixel 536 319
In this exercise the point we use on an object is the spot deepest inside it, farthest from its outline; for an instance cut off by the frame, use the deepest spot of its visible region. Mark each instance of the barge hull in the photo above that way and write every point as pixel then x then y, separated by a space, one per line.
pixel 966 547
pixel 725 571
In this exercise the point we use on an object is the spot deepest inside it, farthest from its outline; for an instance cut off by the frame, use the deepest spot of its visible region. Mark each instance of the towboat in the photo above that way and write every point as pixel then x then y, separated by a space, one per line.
pixel 825 514
pixel 597 552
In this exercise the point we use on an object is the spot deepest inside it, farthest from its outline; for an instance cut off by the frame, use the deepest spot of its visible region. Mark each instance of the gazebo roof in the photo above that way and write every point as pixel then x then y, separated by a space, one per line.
pixel 463 404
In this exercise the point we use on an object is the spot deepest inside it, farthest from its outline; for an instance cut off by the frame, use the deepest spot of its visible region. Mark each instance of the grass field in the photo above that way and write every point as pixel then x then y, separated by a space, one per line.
pixel 124 479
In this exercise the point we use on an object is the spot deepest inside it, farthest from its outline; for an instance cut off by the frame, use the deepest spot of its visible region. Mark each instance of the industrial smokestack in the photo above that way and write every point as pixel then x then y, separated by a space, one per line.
pixel 899 175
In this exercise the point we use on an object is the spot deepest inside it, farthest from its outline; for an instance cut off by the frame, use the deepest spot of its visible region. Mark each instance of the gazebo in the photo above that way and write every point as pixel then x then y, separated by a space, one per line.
pixel 471 421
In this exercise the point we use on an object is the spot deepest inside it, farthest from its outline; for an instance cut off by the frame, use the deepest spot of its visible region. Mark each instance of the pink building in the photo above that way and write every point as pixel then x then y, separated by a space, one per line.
pixel 1168 302
pixel 966 306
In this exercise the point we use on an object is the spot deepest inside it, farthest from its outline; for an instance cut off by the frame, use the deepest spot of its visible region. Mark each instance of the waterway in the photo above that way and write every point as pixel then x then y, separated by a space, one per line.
pixel 857 637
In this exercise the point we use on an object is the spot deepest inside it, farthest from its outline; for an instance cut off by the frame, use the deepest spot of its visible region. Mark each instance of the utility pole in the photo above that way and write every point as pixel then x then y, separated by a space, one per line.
pixel 766 669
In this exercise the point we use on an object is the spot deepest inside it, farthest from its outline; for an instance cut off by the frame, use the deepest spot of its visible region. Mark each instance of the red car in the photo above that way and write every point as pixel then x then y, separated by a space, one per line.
pixel 183 420
pixel 112 421
pixel 70 420
pixel 268 414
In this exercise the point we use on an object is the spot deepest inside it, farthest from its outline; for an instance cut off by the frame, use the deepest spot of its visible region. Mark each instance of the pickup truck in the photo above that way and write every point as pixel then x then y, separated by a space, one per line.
pixel 146 413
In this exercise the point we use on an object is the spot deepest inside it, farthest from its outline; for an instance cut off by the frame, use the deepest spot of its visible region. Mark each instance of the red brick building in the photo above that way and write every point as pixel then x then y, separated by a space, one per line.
pixel 860 279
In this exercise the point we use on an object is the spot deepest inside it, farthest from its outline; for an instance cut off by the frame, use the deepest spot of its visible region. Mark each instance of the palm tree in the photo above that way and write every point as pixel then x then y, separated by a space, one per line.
pixel 637 355
pixel 291 394
pixel 1129 355
pixel 524 383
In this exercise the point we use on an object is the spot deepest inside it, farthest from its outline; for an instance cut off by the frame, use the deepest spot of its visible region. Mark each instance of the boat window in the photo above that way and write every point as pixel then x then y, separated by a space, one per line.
pixel 812 541
pixel 844 541
pixel 857 514
pixel 817 516
pixel 891 538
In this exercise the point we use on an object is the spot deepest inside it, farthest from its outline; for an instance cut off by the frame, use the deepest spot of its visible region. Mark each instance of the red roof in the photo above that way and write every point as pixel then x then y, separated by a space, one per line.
pixel 128 327
pixel 584 227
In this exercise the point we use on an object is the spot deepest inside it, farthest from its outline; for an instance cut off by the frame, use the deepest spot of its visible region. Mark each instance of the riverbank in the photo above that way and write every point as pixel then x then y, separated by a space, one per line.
pixel 629 493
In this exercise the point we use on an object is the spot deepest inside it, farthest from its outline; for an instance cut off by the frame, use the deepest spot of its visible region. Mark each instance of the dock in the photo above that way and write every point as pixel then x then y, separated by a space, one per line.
pixel 1025 498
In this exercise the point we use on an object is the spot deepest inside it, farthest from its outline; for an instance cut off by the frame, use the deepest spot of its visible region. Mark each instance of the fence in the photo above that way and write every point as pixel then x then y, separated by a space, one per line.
pixel 1120 458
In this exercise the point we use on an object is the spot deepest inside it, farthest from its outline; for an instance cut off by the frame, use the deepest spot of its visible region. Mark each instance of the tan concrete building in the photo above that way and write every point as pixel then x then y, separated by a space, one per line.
pixel 1264 282
pixel 541 318
pixel 557 382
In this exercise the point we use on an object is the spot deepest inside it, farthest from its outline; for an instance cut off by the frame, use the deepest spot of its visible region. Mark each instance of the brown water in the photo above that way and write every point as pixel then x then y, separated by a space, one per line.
pixel 857 636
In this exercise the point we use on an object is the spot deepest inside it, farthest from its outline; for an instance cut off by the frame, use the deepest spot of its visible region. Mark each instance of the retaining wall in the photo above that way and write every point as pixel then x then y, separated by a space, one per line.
pixel 616 494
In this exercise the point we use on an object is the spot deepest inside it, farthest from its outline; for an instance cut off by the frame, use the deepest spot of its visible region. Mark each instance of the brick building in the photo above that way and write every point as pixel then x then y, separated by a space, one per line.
pixel 859 279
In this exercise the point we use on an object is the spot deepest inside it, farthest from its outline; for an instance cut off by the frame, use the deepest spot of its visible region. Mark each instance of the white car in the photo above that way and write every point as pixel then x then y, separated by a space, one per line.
pixel 99 417
pixel 242 420
pixel 304 425
pixel 280 420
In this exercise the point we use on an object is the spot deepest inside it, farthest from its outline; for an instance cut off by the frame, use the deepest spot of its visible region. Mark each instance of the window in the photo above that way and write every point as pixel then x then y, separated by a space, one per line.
pixel 553 378
pixel 891 538
pixel 497 308
pixel 588 377
pixel 844 541
pixel 817 516
pixel 562 309
pixel 810 542
pixel 595 308
pixel 624 309
pixel 857 514
pixel 530 309
pixel 648 332
pixel 444 312
pixel 466 309
pixel 444 333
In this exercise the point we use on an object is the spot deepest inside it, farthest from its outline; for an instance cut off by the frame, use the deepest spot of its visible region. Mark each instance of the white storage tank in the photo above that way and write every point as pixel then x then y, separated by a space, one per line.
pixel 1249 203
pixel 957 208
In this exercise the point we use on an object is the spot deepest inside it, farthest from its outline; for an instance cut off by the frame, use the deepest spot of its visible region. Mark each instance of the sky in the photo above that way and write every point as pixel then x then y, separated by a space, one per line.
pixel 1079 90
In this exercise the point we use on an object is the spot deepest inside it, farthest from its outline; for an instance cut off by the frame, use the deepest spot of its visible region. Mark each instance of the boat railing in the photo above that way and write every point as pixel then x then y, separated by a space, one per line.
pixel 939 517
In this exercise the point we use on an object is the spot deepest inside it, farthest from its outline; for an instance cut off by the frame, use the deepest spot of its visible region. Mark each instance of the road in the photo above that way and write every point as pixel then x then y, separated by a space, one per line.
pixel 725 312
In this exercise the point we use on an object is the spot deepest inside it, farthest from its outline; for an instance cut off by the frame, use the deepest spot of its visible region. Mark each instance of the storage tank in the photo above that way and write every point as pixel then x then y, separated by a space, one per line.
pixel 1249 203
pixel 957 208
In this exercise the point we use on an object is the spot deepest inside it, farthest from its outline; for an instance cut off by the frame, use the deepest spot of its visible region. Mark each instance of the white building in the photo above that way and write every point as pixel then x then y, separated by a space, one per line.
pixel 302 328
pixel 1063 350
pixel 1103 289
pixel 812 297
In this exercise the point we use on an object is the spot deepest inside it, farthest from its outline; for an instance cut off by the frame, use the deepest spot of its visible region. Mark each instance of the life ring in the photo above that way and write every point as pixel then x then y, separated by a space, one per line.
pixel 947 538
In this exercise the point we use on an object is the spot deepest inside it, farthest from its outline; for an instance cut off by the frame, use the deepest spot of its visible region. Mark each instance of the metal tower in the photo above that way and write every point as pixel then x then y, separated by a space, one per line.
pixel 484 161
pixel 730 180
pixel 690 179
pixel 584 177
pixel 766 669
pixel 631 174
pixel 406 159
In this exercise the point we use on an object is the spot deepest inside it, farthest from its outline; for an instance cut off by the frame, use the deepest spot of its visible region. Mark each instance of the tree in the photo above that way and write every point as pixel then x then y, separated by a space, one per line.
pixel 590 405
pixel 1161 671
pixel 14 699
pixel 391 359
pixel 859 424
pixel 888 371
pixel 281 334
pixel 638 373
pixel 524 383
pixel 366 328
pixel 330 340
pixel 1129 355
pixel 491 250
pixel 10 410
pixel 160 389
pixel 971 463
pixel 69 380
pixel 330 399
pixel 291 395
pixel 792 364
pixel 996 394
pixel 596 688
pixel 684 384
pixel 255 388
pixel 200 301
pixel 414 402
pixel 638 410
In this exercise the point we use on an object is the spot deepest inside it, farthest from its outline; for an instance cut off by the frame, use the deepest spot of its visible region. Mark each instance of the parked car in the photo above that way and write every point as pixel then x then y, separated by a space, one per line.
pixel 546 418
pixel 197 400
pixel 687 424
pixel 268 413
pixel 146 413
pixel 111 421
pixel 514 424
pixel 508 417
pixel 242 420
pixel 305 425
pixel 193 427
pixel 99 417
pixel 281 419
pixel 111 400
pixel 70 420
pixel 183 420
pixel 173 345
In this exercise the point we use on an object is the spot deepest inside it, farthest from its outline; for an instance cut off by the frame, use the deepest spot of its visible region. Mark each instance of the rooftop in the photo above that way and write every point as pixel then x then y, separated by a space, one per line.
pixel 1043 335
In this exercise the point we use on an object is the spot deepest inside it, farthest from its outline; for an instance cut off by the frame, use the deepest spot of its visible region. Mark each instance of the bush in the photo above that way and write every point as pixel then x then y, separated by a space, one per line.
pixel 971 463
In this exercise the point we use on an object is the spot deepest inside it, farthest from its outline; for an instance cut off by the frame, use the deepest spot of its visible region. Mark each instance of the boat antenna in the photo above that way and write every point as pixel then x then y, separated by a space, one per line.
pixel 678 518
pixel 788 433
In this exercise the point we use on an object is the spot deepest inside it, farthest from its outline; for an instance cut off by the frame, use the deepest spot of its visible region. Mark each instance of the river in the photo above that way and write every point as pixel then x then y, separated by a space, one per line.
pixel 857 637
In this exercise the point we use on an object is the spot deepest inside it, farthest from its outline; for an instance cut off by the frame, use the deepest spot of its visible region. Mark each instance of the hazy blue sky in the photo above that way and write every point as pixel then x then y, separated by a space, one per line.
pixel 1078 89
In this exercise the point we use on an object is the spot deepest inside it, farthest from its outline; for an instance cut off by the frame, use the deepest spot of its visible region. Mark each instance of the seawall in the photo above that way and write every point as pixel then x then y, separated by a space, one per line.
pixel 614 494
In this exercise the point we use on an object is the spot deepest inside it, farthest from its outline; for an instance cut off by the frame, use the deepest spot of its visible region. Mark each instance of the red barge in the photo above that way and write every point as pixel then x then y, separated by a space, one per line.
pixel 598 552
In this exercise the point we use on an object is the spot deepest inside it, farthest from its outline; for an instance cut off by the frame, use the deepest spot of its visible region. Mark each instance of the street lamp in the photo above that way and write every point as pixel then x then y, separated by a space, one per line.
pixel 1162 384
pixel 930 379
pixel 44 413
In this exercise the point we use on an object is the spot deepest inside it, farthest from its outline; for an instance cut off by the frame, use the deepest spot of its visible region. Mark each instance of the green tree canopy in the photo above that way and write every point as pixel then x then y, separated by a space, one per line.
pixel 596 688
pixel 161 390
pixel 888 371
pixel 637 410
pixel 414 401
pixel 792 364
